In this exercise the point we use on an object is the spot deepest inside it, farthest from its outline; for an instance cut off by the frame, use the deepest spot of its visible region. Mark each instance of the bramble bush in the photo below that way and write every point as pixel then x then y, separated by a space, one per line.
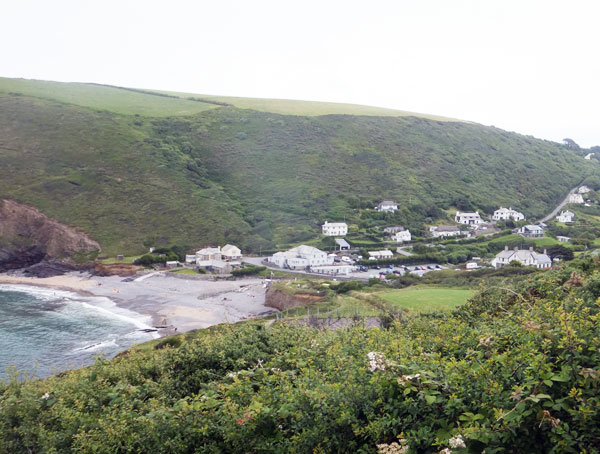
pixel 515 370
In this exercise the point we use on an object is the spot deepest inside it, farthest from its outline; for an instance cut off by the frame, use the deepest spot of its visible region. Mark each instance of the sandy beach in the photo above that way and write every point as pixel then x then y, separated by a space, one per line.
pixel 176 304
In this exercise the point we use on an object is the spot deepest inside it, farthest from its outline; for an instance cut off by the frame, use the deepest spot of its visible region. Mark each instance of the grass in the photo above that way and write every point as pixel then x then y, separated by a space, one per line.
pixel 100 97
pixel 427 299
pixel 185 271
pixel 113 260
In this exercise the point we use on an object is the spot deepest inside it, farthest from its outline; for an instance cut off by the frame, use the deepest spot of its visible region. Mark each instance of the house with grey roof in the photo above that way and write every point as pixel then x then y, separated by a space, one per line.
pixel 530 231
pixel 526 257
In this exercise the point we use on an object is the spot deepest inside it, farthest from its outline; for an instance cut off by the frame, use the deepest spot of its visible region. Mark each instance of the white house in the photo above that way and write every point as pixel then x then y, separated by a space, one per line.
pixel 523 256
pixel 565 216
pixel 503 214
pixel 401 237
pixel 530 231
pixel 468 218
pixel 301 257
pixel 393 229
pixel 575 198
pixel 387 205
pixel 190 258
pixel 209 253
pixel 584 189
pixel 563 239
pixel 334 228
pixel 444 231
pixel 231 252
pixel 589 156
pixel 385 254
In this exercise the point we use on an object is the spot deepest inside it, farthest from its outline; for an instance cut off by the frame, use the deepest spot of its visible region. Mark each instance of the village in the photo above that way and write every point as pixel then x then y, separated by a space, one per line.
pixel 402 252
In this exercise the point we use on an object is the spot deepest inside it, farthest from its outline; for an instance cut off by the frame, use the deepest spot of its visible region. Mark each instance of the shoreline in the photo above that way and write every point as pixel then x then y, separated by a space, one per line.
pixel 175 305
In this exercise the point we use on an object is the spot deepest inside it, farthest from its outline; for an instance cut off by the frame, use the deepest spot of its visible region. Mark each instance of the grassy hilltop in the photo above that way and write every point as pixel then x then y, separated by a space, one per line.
pixel 134 168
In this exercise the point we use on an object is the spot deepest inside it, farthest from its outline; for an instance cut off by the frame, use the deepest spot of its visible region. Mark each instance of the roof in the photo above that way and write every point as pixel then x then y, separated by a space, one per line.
pixel 567 213
pixel 335 223
pixel 230 247
pixel 388 202
pixel 523 255
pixel 209 250
pixel 532 228
pixel 447 228
pixel 342 242
pixel 305 250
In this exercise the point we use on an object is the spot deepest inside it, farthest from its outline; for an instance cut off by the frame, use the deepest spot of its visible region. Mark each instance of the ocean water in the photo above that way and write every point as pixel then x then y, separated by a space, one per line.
pixel 45 331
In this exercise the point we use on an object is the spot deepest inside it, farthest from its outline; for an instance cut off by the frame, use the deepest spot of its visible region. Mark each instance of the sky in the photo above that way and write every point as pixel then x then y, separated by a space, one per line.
pixel 522 65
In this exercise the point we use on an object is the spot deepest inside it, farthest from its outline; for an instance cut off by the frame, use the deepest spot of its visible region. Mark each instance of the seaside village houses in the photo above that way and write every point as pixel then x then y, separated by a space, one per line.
pixel 310 259
pixel 334 228
pixel 444 231
pixel 523 256
pixel 530 231
pixel 565 216
pixel 217 259
pixel 398 233
pixel 576 198
pixel 387 206
pixel 468 218
pixel 504 214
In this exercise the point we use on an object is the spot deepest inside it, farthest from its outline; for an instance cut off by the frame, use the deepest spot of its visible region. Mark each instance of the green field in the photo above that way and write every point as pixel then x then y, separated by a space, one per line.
pixel 99 97
pixel 424 299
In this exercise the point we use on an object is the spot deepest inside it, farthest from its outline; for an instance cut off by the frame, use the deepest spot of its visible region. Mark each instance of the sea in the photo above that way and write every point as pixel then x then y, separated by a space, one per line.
pixel 45 331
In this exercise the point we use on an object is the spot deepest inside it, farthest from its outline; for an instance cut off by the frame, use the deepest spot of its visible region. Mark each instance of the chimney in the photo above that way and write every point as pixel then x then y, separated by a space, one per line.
pixel 530 248
pixel 516 248
pixel 506 247
pixel 545 252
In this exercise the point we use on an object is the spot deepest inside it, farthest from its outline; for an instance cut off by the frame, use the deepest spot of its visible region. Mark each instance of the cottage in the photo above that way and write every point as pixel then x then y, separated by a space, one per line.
pixel 334 228
pixel 401 237
pixel 563 239
pixel 209 253
pixel 387 206
pixel 523 256
pixel 504 214
pixel 584 189
pixel 230 252
pixel 301 257
pixel 172 264
pixel 565 216
pixel 393 229
pixel 530 231
pixel 575 198
pixel 342 244
pixel 215 266
pixel 444 231
pixel 376 255
pixel 190 258
pixel 468 218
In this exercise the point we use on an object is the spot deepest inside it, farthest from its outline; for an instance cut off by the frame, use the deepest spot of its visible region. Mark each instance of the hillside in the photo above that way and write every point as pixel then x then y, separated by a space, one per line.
pixel 132 169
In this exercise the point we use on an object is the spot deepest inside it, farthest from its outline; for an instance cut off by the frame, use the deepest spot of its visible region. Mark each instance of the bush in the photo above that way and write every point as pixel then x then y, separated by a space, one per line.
pixel 248 270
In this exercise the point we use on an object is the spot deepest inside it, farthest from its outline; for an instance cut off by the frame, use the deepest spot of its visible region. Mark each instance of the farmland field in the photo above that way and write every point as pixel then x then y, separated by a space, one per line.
pixel 427 299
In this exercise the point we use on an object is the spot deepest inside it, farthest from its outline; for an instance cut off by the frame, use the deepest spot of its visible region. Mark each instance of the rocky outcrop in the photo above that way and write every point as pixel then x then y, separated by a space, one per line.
pixel 278 299
pixel 28 237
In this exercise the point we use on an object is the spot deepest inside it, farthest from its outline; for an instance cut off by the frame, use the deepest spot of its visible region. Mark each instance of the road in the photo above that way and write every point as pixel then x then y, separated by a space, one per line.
pixel 560 205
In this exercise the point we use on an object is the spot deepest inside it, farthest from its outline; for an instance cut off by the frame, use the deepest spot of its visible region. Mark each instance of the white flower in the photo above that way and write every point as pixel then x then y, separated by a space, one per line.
pixel 376 361
pixel 46 396
pixel 445 451
pixel 457 442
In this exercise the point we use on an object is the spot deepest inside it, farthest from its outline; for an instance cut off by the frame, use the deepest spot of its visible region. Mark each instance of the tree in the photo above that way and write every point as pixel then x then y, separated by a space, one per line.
pixel 570 144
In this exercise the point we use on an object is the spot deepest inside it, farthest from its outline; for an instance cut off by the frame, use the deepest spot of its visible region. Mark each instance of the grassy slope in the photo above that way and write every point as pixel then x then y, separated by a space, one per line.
pixel 257 178
pixel 101 97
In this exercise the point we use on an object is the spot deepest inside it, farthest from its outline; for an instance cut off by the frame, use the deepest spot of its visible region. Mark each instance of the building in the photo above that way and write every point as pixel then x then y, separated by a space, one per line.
pixel 301 257
pixel 589 156
pixel 342 244
pixel 393 229
pixel 376 255
pixel 444 231
pixel 338 268
pixel 565 216
pixel 563 239
pixel 485 230
pixel 504 214
pixel 215 266
pixel 575 198
pixel 584 189
pixel 401 237
pixel 209 253
pixel 471 266
pixel 468 218
pixel 523 256
pixel 530 231
pixel 190 258
pixel 172 264
pixel 334 228
pixel 388 206
pixel 230 252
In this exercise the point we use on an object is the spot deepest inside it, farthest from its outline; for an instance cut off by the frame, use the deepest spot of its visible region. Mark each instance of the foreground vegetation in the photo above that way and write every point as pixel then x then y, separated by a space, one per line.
pixel 516 369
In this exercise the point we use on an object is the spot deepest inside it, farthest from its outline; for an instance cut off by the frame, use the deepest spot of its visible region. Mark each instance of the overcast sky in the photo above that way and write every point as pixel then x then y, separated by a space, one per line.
pixel 524 65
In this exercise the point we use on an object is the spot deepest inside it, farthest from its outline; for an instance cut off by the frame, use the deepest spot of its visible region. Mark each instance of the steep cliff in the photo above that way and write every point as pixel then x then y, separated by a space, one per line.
pixel 27 237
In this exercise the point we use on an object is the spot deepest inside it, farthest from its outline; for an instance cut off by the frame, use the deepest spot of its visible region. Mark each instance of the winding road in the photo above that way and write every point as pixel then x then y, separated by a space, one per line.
pixel 560 205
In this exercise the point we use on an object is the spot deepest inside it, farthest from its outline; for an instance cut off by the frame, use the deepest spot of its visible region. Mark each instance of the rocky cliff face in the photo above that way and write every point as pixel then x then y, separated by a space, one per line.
pixel 27 237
